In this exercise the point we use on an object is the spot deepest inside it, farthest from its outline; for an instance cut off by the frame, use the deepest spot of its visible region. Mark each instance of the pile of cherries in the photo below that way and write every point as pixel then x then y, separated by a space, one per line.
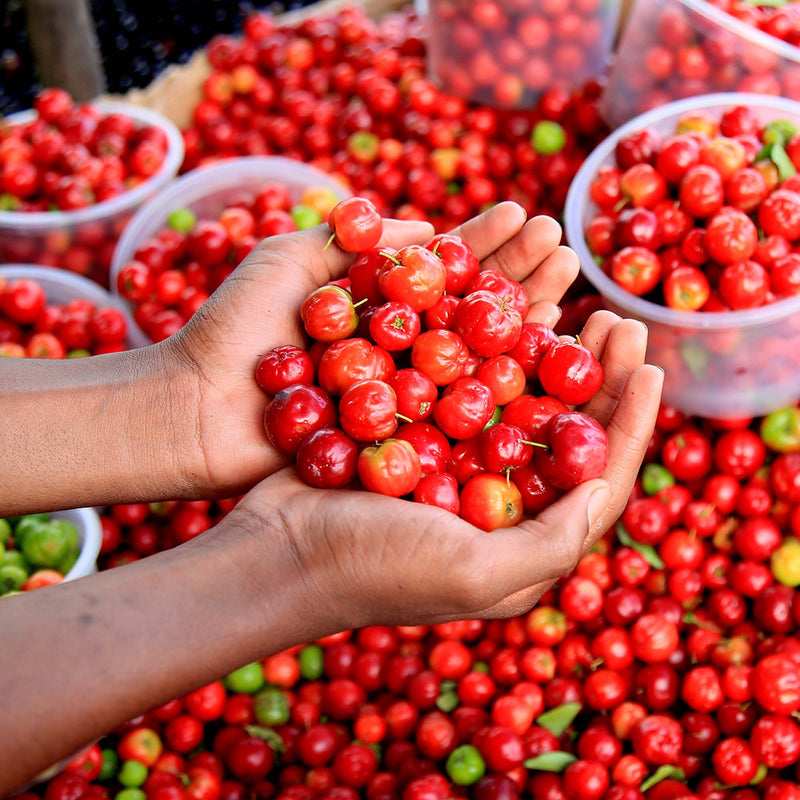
pixel 664 667
pixel 173 272
pixel 71 156
pixel 706 218
pixel 68 158
pixel 671 50
pixel 423 380
pixel 32 327
pixel 507 54
pixel 351 96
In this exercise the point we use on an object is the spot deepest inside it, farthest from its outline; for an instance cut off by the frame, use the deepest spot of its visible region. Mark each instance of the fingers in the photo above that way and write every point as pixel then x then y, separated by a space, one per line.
pixel 621 346
pixel 491 230
pixel 545 312
pixel 629 430
pixel 553 275
pixel 522 256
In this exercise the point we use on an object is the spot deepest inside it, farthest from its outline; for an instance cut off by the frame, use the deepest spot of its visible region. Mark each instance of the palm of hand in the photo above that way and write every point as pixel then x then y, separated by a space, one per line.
pixel 257 308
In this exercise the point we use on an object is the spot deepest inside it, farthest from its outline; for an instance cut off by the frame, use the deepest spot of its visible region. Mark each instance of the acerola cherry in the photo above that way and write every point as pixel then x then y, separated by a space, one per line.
pixel 577 450
pixel 570 372
pixel 294 413
pixel 356 224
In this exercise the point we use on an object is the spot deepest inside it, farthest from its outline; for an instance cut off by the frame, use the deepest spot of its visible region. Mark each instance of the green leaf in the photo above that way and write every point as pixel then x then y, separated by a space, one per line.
pixel 646 551
pixel 661 774
pixel 554 761
pixel 558 719
pixel 767 3
pixel 780 158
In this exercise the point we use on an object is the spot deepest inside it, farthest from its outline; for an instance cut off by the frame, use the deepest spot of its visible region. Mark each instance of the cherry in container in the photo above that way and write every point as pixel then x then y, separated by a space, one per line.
pixel 506 54
pixel 675 49
pixel 70 179
pixel 728 350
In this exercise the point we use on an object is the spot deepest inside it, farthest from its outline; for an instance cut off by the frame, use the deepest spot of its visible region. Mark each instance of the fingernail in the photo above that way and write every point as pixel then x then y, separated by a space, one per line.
pixel 598 503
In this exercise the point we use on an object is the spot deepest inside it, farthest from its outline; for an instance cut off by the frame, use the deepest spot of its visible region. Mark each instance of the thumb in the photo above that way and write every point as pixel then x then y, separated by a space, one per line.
pixel 550 545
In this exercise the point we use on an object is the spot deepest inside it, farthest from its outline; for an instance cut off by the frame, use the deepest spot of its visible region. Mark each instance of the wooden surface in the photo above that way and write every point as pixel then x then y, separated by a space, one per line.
pixel 64 46
pixel 178 89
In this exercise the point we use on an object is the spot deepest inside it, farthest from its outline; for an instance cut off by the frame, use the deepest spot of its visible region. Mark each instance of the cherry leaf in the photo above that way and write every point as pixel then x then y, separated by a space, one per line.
pixel 554 761
pixel 646 551
pixel 661 774
pixel 558 719
pixel 780 158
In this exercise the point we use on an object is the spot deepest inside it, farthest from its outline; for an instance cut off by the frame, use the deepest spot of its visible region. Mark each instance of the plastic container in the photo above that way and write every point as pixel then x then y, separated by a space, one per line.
pixel 47 236
pixel 61 286
pixel 505 54
pixel 718 365
pixel 675 49
pixel 90 536
pixel 207 191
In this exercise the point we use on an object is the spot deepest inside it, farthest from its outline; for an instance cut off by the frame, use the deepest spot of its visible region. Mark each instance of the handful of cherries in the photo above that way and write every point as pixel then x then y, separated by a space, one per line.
pixel 424 381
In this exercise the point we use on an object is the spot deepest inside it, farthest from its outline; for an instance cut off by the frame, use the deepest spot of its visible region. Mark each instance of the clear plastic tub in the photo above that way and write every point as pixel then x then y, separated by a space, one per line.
pixel 506 54
pixel 207 191
pixel 675 49
pixel 718 365
pixel 47 236
pixel 61 286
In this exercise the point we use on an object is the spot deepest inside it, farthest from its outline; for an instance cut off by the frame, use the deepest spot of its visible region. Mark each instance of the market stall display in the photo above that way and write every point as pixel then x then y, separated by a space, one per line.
pixel 665 665
pixel 508 54
pixel 671 49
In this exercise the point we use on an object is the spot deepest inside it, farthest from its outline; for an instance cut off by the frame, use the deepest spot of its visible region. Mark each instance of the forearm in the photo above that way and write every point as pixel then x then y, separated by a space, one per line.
pixel 92 431
pixel 118 643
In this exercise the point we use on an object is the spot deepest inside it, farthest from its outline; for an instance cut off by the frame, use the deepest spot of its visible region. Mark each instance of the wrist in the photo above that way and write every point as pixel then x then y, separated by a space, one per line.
pixel 282 600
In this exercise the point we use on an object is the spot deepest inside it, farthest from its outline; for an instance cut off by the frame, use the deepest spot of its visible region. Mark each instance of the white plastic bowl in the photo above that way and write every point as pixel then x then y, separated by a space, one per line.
pixel 718 365
pixel 208 190
pixel 30 233
pixel 90 537
pixel 60 286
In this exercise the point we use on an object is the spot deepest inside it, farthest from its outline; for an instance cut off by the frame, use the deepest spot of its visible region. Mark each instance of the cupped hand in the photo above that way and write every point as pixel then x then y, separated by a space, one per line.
pixel 363 558
pixel 257 308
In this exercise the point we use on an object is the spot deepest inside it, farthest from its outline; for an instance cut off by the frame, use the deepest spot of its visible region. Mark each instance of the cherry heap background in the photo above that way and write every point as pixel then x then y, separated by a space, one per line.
pixel 666 666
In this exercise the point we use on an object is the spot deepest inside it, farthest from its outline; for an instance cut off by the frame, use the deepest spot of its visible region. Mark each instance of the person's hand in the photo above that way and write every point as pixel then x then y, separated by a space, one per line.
pixel 362 558
pixel 258 308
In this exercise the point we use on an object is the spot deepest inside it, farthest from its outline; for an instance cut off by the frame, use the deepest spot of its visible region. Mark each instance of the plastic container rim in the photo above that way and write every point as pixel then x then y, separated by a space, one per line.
pixel 89 521
pixel 742 29
pixel 578 199
pixel 180 191
pixel 35 220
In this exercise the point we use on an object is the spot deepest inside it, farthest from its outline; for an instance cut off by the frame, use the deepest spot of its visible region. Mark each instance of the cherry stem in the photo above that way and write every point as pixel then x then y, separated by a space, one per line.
pixel 435 250
pixel 403 417
pixel 360 302
pixel 390 256
pixel 534 444
pixel 329 242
